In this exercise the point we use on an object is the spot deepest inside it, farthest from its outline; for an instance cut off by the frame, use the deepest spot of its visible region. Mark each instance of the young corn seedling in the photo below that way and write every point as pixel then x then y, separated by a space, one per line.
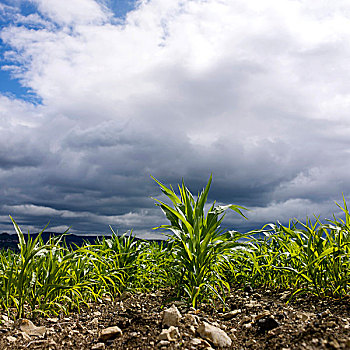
pixel 25 272
pixel 127 252
pixel 198 244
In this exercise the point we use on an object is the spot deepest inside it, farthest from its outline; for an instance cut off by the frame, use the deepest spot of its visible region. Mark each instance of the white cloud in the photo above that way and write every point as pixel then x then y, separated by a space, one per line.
pixel 129 219
pixel 256 92
pixel 71 12
pixel 16 114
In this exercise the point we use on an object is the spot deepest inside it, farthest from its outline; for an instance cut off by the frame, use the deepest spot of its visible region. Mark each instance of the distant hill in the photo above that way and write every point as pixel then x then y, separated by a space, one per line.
pixel 10 241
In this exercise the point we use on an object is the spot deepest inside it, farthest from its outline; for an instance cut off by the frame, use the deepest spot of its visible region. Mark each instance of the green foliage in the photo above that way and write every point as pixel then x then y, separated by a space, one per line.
pixel 138 261
pixel 199 260
pixel 198 245
pixel 306 257
pixel 49 278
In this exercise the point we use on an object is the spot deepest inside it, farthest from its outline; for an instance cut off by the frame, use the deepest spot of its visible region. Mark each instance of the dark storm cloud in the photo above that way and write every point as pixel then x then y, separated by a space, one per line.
pixel 254 93
pixel 10 161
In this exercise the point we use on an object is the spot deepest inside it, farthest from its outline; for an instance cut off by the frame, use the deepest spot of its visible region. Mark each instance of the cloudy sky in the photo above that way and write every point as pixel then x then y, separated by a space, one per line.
pixel 97 95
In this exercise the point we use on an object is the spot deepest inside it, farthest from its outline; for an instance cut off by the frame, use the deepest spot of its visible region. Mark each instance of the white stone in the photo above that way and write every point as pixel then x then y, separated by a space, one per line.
pixel 171 316
pixel 191 319
pixel 262 315
pixel 110 332
pixel 94 322
pixel 192 330
pixel 28 327
pixel 6 321
pixel 304 316
pixel 10 338
pixel 214 334
pixel 231 314
pixel 25 336
pixel 196 341
pixel 163 343
pixel 170 334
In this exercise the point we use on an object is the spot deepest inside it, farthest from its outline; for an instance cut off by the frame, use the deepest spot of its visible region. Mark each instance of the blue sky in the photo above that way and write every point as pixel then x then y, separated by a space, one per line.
pixel 95 96
pixel 8 82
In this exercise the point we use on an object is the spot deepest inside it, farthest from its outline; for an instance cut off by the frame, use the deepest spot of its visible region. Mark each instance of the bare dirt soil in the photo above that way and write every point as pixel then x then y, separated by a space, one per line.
pixel 255 319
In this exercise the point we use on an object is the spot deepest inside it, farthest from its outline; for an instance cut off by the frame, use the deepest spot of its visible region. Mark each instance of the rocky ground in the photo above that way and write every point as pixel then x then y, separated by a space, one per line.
pixel 255 320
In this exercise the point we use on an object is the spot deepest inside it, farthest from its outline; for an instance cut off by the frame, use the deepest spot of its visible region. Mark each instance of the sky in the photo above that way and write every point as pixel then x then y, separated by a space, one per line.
pixel 97 95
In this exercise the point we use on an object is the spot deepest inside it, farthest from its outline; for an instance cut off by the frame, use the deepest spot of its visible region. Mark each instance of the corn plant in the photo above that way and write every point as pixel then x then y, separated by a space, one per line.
pixel 50 271
pixel 198 245
pixel 126 250
pixel 153 268
pixel 97 271
pixel 8 269
pixel 25 270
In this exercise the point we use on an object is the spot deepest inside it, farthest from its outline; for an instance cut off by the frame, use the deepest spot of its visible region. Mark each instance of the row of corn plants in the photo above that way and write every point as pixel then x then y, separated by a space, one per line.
pixel 311 257
pixel 199 261
pixel 49 278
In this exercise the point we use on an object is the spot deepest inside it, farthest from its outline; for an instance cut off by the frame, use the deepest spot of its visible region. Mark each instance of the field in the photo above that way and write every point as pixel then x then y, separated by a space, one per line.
pixel 288 284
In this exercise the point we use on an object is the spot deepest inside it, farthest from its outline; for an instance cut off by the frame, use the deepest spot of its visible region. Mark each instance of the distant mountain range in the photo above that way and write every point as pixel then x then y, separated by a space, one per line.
pixel 10 241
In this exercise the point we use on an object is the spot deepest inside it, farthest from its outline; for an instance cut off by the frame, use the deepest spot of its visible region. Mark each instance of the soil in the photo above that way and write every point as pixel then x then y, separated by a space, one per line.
pixel 258 320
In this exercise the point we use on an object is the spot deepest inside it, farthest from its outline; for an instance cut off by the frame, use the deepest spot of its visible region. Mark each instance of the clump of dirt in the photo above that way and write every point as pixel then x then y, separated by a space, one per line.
pixel 255 319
